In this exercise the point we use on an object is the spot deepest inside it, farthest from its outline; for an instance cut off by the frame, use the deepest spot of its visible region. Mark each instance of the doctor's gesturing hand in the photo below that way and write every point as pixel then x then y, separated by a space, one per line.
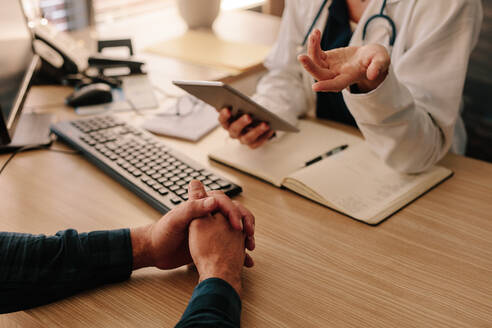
pixel 364 66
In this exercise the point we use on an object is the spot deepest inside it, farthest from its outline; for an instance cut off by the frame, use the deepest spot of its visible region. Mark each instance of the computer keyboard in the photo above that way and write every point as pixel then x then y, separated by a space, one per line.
pixel 138 160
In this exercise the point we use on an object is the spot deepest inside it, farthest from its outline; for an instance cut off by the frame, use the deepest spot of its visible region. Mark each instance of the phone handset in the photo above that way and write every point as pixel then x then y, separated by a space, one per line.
pixel 59 50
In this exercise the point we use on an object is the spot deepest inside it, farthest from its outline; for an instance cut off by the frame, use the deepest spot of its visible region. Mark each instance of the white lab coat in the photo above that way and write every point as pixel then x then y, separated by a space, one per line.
pixel 413 118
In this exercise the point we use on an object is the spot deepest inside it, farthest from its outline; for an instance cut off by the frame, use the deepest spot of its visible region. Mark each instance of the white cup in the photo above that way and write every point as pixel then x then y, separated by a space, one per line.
pixel 199 13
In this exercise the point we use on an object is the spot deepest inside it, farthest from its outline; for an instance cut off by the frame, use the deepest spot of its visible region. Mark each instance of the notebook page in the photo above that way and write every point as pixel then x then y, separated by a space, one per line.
pixel 278 158
pixel 356 182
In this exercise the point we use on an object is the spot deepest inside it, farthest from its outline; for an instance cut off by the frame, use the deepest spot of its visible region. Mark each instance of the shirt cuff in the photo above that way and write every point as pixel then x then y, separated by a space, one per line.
pixel 111 253
pixel 374 107
pixel 216 298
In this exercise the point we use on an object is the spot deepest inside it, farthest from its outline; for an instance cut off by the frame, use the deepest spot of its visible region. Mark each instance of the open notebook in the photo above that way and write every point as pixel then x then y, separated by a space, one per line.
pixel 354 181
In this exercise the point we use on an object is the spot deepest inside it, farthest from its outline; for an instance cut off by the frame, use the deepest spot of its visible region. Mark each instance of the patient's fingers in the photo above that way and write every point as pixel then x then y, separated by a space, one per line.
pixel 229 209
pixel 248 261
pixel 196 190
pixel 250 243
pixel 248 219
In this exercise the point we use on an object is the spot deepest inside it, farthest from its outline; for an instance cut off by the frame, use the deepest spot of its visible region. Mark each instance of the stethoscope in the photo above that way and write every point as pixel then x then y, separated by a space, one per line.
pixel 364 31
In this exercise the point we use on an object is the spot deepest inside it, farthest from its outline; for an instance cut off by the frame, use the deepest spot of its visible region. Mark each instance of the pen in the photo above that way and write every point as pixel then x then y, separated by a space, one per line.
pixel 327 154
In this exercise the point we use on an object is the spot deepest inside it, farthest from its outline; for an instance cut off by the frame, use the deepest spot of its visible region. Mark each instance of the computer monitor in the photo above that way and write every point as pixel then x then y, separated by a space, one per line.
pixel 18 64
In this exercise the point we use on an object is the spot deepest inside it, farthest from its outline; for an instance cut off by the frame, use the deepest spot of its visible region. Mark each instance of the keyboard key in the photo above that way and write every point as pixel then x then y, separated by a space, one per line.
pixel 181 183
pixel 136 173
pixel 180 192
pixel 214 186
pixel 156 176
pixel 223 184
pixel 206 173
pixel 163 191
pixel 214 178
pixel 151 182
pixel 175 200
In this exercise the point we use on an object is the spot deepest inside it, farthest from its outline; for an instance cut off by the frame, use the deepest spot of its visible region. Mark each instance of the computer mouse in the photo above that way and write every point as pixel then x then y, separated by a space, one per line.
pixel 92 94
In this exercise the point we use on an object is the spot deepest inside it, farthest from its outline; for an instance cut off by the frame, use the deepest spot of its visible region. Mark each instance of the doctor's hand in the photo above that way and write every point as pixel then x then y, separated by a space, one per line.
pixel 337 69
pixel 244 129
pixel 164 244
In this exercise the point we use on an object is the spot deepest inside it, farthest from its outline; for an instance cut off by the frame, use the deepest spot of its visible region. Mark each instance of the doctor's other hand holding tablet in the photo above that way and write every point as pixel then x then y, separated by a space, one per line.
pixel 247 131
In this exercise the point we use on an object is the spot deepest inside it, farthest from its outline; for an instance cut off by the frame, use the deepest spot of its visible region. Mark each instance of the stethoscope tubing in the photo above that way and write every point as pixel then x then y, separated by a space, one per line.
pixel 364 30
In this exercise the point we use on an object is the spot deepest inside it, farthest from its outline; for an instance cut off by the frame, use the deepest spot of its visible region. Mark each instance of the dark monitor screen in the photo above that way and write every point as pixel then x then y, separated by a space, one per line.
pixel 16 66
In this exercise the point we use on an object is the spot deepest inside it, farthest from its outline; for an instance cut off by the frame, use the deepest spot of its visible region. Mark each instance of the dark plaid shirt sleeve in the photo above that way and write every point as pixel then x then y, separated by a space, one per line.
pixel 214 303
pixel 38 269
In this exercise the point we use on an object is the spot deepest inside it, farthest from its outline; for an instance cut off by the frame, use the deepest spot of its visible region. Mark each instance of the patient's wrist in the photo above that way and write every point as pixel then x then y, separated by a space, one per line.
pixel 141 247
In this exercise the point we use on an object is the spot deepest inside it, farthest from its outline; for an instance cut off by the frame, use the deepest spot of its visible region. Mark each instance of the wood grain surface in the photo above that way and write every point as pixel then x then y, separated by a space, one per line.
pixel 430 265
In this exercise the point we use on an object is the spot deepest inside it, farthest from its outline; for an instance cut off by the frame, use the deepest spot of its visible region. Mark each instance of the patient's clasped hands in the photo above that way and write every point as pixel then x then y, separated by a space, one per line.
pixel 210 230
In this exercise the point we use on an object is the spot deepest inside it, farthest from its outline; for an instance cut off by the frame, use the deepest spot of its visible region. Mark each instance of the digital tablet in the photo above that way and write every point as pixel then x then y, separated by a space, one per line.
pixel 220 95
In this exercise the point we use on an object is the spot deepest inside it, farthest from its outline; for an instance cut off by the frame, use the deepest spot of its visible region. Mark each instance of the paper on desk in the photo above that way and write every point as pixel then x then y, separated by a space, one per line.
pixel 205 48
pixel 195 120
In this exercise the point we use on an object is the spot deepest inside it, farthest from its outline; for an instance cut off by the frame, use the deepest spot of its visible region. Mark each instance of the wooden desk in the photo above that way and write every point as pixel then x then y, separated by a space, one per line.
pixel 430 265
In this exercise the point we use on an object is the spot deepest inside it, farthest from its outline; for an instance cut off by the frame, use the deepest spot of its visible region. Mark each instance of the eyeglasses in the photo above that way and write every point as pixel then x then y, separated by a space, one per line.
pixel 184 106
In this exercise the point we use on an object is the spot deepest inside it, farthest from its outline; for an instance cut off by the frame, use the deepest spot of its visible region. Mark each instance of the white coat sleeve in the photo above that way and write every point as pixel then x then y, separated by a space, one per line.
pixel 281 89
pixel 409 119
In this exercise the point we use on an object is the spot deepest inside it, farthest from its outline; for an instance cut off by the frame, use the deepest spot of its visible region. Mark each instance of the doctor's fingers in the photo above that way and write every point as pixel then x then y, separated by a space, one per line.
pixel 319 73
pixel 378 64
pixel 252 135
pixel 236 128
pixel 336 84
pixel 314 50
pixel 262 140
pixel 224 117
